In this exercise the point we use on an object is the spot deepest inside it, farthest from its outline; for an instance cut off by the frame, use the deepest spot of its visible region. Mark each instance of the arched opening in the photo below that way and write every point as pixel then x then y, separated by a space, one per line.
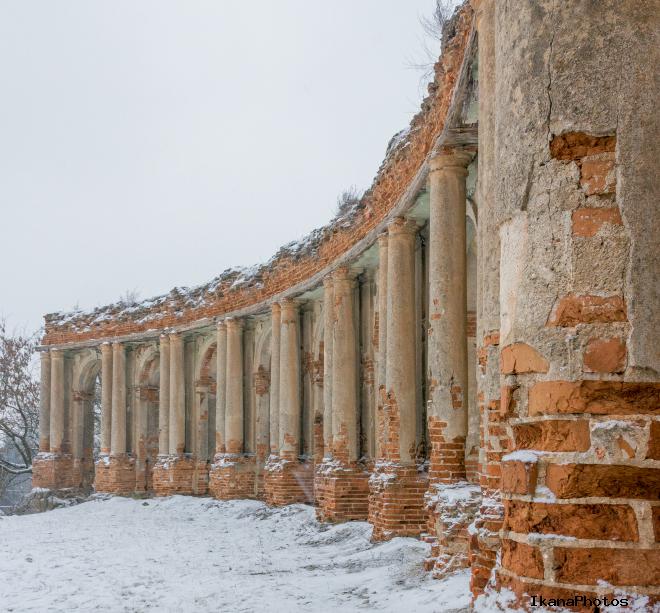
pixel 86 417
pixel 146 423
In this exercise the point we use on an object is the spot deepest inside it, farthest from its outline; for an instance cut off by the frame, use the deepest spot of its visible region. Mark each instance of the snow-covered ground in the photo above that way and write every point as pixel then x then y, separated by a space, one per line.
pixel 196 554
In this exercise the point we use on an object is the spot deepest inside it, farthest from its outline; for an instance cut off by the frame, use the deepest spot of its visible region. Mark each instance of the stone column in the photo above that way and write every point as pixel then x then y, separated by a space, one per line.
pixel 328 318
pixel 249 416
pixel 344 354
pixel 398 484
pixel 44 403
pixel 275 380
pixel 290 381
pixel 221 387
pixel 382 342
pixel 118 437
pixel 400 364
pixel 367 365
pixel 234 408
pixel 447 309
pixel 177 421
pixel 106 397
pixel 56 400
pixel 164 397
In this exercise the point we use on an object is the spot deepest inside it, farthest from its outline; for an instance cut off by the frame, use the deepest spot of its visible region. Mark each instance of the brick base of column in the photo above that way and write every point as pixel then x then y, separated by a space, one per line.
pixel 115 475
pixel 288 481
pixel 341 492
pixel 485 543
pixel 451 509
pixel 232 477
pixel 83 473
pixel 53 471
pixel 396 501
pixel 180 475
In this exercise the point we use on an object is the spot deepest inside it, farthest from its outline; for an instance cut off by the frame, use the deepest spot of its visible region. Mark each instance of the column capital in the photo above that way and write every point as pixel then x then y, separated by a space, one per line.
pixel 382 239
pixel 164 338
pixel 275 307
pixel 401 226
pixel 344 273
pixel 328 280
pixel 290 304
pixel 221 324
pixel 56 353
pixel 106 347
pixel 453 160
pixel 234 323
pixel 175 337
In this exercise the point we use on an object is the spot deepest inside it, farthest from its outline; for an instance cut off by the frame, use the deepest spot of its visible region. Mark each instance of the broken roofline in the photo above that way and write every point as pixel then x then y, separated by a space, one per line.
pixel 158 314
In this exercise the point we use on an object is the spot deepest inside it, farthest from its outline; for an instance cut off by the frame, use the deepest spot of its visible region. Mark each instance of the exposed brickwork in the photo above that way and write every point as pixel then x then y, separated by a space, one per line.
pixel 446 458
pixel 115 475
pixel 180 475
pixel 573 310
pixel 341 492
pixel 396 501
pixel 53 471
pixel 288 482
pixel 233 477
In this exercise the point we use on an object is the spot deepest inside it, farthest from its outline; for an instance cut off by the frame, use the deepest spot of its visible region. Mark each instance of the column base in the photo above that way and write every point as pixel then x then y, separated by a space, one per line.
pixel 53 471
pixel 288 481
pixel 83 473
pixel 341 492
pixel 485 543
pixel 451 509
pixel 175 474
pixel 232 477
pixel 115 474
pixel 396 501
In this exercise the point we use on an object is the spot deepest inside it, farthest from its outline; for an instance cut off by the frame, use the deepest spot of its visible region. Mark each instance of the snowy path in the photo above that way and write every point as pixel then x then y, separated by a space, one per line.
pixel 185 554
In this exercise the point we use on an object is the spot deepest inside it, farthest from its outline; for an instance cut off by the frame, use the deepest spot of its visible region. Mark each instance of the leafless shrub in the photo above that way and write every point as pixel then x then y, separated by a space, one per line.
pixel 348 201
pixel 130 297
pixel 433 27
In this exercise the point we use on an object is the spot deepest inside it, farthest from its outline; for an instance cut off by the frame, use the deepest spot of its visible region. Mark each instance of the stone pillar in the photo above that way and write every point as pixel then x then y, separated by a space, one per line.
pixel 485 542
pixel 342 484
pixel 177 396
pixel 106 397
pixel 164 397
pixel 177 472
pixel 328 319
pixel 44 403
pixel 118 437
pixel 367 365
pixel 248 388
pixel 221 387
pixel 234 408
pixel 56 400
pixel 290 381
pixel 396 500
pixel 382 345
pixel 275 380
pixel 233 474
pixel 116 473
pixel 447 309
pixel 53 468
pixel 400 372
pixel 288 480
pixel 344 354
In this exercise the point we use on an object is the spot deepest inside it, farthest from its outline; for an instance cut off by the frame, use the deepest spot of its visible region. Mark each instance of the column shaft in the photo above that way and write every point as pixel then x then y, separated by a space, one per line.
pixel 177 422
pixel 56 400
pixel 44 403
pixel 275 379
pixel 447 334
pixel 221 387
pixel 118 435
pixel 382 339
pixel 328 319
pixel 234 410
pixel 164 397
pixel 400 363
pixel 106 397
pixel 344 361
pixel 289 381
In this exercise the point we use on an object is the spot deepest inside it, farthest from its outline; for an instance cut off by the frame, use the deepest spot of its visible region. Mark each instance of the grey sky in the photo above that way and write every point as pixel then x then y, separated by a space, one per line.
pixel 155 143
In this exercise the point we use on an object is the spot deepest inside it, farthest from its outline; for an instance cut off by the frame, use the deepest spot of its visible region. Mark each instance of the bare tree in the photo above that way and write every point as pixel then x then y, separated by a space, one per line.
pixel 19 401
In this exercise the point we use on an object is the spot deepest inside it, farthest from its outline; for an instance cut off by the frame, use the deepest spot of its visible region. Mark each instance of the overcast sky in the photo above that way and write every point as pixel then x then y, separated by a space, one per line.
pixel 148 144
